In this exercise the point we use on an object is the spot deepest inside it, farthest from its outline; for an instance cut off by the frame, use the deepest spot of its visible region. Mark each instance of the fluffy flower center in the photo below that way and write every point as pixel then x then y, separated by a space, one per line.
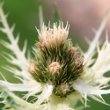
pixel 56 60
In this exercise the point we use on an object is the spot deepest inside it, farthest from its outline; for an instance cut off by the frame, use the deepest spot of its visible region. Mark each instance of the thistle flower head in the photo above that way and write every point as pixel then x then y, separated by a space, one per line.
pixel 57 61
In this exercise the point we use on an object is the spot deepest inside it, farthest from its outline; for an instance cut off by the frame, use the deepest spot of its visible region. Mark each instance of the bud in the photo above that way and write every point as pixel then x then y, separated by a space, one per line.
pixel 54 67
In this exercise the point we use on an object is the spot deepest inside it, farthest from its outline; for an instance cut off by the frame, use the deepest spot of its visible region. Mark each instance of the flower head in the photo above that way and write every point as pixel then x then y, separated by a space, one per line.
pixel 57 62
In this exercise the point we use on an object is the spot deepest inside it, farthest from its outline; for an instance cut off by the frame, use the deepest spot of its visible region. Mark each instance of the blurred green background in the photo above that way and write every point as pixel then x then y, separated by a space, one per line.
pixel 25 14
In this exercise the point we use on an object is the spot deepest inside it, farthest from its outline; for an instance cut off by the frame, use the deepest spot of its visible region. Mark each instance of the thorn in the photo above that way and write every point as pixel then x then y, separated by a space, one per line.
pixel 29 56
pixel 3 77
pixel 67 26
pixel 25 47
pixel 8 57
pixel 40 16
pixel 17 38
pixel 17 76
pixel 4 43
pixel 9 69
pixel 3 30
pixel 6 15
pixel 38 31
pixel 98 49
pixel 13 27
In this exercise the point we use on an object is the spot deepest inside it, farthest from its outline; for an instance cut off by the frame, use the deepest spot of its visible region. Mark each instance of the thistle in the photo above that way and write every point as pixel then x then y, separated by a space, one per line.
pixel 59 75
pixel 57 62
